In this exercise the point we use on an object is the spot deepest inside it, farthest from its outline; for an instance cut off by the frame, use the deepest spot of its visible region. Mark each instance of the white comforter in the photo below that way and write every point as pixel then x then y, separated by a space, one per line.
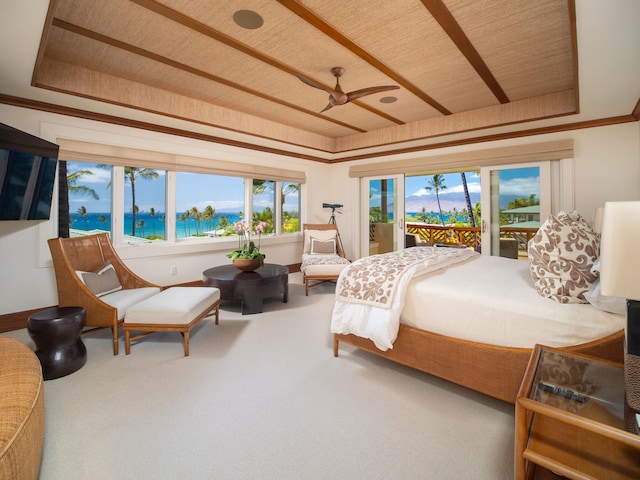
pixel 488 300
pixel 370 293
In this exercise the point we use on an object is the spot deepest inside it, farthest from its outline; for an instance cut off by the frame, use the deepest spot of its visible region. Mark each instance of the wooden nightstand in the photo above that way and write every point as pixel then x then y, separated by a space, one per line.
pixel 572 419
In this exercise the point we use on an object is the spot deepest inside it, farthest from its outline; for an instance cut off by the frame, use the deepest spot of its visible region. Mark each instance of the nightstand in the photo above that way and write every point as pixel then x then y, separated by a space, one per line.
pixel 572 419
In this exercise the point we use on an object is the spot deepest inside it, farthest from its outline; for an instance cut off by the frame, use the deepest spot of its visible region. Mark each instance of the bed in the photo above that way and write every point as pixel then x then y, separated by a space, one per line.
pixel 475 321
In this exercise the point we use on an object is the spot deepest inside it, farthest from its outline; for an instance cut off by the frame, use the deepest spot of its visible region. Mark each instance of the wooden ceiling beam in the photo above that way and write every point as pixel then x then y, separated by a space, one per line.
pixel 451 27
pixel 186 68
pixel 241 47
pixel 309 17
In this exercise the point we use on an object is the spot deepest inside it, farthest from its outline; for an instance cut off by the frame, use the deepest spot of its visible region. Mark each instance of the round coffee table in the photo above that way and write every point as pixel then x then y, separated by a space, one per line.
pixel 56 333
pixel 250 288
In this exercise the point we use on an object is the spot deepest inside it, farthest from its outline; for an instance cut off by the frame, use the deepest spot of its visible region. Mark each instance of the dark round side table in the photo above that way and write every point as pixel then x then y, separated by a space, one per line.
pixel 56 333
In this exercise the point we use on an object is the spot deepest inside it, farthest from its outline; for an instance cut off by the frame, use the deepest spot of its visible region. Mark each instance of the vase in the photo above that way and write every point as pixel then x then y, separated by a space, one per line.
pixel 246 264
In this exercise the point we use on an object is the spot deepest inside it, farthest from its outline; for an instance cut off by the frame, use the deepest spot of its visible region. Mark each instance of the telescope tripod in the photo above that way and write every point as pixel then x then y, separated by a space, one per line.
pixel 332 220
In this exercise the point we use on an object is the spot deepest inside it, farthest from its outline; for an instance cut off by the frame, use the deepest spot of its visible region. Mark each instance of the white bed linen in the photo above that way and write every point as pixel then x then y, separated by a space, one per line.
pixel 366 318
pixel 492 300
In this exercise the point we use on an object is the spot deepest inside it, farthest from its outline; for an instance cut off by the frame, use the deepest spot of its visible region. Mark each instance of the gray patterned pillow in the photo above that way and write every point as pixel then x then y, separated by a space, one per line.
pixel 561 255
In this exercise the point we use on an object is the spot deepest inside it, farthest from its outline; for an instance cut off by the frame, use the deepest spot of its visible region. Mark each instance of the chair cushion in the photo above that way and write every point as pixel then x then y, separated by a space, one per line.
pixel 174 306
pixel 309 261
pixel 324 270
pixel 123 299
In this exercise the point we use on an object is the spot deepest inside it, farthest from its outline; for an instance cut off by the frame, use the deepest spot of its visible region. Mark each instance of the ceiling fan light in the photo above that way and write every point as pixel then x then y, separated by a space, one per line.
pixel 388 99
pixel 248 19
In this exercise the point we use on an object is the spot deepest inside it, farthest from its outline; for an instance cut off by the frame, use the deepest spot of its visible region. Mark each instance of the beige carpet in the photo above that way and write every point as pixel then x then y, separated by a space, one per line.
pixel 262 397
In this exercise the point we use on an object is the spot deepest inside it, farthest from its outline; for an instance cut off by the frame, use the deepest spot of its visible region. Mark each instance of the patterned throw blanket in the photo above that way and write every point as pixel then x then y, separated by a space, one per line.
pixel 374 280
pixel 370 293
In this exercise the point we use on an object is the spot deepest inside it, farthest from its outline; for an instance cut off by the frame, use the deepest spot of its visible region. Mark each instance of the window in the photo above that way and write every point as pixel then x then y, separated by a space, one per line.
pixel 290 207
pixel 207 205
pixel 144 204
pixel 154 205
pixel 264 203
pixel 88 200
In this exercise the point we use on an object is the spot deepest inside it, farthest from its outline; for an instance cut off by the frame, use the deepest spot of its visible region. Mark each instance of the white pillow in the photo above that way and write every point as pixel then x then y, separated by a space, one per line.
pixel 102 281
pixel 321 235
pixel 603 302
pixel 320 247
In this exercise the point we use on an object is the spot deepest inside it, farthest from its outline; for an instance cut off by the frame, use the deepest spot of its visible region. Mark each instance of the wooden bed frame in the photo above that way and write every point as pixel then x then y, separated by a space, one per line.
pixel 493 370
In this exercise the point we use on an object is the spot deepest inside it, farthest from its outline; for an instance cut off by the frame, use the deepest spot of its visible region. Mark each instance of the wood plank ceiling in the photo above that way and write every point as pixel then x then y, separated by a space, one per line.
pixel 461 65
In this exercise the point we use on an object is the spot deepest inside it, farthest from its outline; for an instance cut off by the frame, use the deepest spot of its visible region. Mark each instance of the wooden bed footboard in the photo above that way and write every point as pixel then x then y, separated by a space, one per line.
pixel 493 370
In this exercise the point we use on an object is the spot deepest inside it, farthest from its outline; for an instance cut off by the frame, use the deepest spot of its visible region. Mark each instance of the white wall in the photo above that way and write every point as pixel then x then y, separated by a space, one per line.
pixel 607 167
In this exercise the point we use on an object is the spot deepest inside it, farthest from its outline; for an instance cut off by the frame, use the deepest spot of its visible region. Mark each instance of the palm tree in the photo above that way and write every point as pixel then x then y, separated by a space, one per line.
pixel 103 219
pixel 197 216
pixel 67 184
pixel 210 215
pixel 141 226
pixel 467 199
pixel 184 218
pixel 82 212
pixel 131 174
pixel 152 214
pixel 437 183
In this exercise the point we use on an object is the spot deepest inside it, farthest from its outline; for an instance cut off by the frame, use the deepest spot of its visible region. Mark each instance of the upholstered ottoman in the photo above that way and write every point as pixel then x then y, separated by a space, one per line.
pixel 321 273
pixel 177 309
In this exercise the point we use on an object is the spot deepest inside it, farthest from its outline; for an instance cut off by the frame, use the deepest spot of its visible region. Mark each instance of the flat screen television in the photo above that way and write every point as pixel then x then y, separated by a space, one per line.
pixel 27 175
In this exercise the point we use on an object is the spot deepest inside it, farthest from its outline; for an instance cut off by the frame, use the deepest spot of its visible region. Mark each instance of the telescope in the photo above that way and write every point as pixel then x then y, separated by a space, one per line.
pixel 332 205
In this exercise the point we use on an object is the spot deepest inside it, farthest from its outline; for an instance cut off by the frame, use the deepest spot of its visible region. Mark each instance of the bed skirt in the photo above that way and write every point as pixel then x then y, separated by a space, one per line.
pixel 489 369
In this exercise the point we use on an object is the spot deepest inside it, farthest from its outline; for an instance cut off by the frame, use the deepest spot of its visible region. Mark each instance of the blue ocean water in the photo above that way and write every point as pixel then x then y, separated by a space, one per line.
pixel 152 225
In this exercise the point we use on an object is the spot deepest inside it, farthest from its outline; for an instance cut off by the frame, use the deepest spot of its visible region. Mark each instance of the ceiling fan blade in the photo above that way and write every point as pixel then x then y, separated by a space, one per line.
pixel 368 91
pixel 313 84
pixel 330 105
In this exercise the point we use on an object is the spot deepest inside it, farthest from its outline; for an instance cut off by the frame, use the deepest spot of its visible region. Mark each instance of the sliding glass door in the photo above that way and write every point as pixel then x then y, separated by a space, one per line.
pixel 382 214
pixel 514 199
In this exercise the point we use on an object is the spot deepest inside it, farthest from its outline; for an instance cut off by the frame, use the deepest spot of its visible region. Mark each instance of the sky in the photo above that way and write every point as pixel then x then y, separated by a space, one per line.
pixel 520 182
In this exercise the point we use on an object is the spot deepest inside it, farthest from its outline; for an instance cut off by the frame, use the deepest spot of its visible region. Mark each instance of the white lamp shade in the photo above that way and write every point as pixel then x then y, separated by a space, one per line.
pixel 597 220
pixel 620 250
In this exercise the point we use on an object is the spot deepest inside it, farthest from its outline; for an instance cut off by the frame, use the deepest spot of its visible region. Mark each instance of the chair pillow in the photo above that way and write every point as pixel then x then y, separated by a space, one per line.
pixel 102 281
pixel 561 256
pixel 320 247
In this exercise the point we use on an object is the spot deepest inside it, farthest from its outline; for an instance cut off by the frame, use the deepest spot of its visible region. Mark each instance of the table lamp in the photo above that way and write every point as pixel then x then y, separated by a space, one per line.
pixel 620 277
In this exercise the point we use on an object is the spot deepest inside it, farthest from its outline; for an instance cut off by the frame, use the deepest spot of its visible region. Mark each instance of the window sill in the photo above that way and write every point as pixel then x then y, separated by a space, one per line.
pixel 200 245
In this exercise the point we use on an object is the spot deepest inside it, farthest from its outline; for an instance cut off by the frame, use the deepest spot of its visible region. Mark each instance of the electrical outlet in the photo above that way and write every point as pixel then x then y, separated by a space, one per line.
pixel 173 270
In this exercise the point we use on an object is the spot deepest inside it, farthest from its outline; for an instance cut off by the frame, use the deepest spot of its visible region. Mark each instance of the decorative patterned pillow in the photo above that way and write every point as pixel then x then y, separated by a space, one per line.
pixel 561 255
pixel 320 247
pixel 102 281
pixel 318 235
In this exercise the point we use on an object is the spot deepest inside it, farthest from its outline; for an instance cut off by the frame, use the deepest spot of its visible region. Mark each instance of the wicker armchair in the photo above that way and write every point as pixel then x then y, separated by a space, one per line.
pixel 317 269
pixel 88 254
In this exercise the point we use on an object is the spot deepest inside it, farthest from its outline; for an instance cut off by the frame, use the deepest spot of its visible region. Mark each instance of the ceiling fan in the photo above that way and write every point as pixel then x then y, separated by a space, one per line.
pixel 337 96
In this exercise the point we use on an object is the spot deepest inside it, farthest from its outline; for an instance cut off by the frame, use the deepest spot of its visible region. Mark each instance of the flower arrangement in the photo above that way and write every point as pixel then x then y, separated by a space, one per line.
pixel 247 249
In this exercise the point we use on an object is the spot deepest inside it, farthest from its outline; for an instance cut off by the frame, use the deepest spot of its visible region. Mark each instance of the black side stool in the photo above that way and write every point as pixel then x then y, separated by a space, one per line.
pixel 56 333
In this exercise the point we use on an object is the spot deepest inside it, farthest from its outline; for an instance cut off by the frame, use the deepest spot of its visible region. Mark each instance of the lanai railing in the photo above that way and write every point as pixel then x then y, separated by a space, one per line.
pixel 470 236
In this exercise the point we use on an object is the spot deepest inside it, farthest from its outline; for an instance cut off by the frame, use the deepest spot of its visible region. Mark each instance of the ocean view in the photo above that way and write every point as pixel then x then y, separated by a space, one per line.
pixel 151 225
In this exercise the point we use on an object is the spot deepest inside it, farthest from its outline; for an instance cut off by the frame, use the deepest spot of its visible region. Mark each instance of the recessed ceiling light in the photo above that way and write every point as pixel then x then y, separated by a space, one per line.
pixel 388 99
pixel 248 19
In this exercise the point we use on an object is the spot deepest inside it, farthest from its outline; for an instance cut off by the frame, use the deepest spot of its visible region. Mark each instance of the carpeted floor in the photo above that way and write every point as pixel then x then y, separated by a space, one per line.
pixel 262 397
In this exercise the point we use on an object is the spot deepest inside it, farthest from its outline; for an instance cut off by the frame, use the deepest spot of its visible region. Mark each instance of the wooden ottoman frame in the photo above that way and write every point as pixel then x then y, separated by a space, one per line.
pixel 183 328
